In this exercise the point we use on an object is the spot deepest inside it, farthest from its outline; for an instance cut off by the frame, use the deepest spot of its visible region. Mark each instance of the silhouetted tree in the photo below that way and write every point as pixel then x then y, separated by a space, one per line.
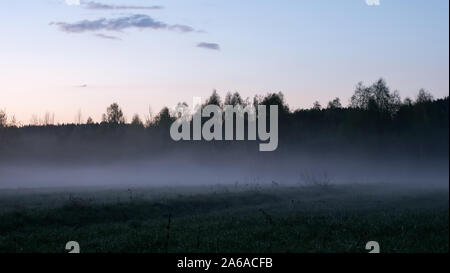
pixel 335 104
pixel 395 102
pixel 424 96
pixel 163 119
pixel 136 121
pixel 381 95
pixel 90 121
pixel 3 118
pixel 317 106
pixel 361 97
pixel 233 99
pixel 114 115
pixel 376 98
pixel 276 99
pixel 214 99
pixel 408 101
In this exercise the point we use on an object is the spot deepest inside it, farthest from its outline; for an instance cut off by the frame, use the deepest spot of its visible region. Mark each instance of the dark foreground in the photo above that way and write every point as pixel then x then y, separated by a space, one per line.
pixel 238 218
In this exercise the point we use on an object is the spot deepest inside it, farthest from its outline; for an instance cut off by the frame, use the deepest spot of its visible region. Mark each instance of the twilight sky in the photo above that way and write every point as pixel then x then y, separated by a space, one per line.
pixel 59 58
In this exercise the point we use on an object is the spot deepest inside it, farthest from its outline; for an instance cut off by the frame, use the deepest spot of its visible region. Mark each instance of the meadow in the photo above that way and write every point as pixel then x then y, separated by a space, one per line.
pixel 226 218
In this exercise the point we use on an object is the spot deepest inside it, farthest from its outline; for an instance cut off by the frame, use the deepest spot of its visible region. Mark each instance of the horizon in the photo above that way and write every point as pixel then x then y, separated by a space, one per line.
pixel 65 58
pixel 49 118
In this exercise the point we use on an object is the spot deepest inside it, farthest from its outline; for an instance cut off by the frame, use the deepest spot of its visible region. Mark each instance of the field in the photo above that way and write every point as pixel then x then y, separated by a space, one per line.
pixel 222 219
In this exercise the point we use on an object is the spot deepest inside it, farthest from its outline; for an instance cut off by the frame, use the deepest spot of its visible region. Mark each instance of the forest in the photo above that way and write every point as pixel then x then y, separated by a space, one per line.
pixel 376 121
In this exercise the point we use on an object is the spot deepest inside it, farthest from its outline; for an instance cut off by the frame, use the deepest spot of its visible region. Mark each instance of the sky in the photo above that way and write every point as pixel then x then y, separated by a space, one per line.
pixel 66 56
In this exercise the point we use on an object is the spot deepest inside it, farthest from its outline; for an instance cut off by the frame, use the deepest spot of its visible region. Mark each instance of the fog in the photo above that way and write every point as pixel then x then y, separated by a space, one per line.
pixel 264 168
pixel 332 146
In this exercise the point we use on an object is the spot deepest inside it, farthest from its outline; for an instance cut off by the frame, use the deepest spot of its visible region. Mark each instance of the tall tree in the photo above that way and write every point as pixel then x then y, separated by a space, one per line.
pixel 3 118
pixel 163 118
pixel 136 121
pixel 361 97
pixel 276 99
pixel 381 95
pixel 377 97
pixel 114 115
pixel 214 99
pixel 335 104
pixel 317 106
pixel 233 99
pixel 424 96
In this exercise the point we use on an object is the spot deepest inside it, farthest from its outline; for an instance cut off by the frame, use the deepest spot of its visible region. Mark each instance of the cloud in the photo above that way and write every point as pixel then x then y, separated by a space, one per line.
pixel 99 6
pixel 211 46
pixel 181 28
pixel 117 24
pixel 108 37
pixel 373 2
pixel 137 21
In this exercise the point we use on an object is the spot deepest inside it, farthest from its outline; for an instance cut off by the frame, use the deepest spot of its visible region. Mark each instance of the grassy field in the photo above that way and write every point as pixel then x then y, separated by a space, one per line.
pixel 237 218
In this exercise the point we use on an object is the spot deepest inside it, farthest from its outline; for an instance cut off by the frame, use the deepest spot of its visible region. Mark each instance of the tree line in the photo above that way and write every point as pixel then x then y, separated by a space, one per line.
pixel 374 98
pixel 376 119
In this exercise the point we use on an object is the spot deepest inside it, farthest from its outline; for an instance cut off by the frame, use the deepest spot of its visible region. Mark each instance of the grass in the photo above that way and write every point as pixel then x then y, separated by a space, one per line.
pixel 223 219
